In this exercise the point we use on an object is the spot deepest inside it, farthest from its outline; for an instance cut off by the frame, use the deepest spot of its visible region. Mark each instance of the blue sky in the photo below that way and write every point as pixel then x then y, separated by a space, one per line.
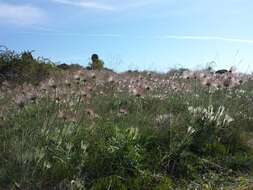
pixel 133 34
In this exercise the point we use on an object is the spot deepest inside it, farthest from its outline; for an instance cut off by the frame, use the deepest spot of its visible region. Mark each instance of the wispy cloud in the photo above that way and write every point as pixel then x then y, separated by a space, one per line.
pixel 109 5
pixel 20 14
pixel 85 4
pixel 130 4
pixel 51 32
pixel 207 38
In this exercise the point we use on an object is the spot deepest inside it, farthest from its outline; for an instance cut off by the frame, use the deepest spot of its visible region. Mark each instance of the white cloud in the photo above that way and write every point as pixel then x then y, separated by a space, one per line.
pixel 108 5
pixel 247 41
pixel 85 4
pixel 20 14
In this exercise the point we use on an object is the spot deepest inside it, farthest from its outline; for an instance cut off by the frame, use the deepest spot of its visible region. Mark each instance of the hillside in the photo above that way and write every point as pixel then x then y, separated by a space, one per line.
pixel 89 129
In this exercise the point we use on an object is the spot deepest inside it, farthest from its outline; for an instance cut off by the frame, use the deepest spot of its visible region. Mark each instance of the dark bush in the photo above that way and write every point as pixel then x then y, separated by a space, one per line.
pixel 96 63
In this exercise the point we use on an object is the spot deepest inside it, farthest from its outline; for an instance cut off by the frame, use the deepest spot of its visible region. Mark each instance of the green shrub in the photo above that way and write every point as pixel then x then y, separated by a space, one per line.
pixel 20 68
pixel 97 63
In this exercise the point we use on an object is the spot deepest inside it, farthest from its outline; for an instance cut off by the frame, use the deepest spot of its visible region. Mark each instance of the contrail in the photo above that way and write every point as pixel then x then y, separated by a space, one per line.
pixel 218 38
pixel 48 31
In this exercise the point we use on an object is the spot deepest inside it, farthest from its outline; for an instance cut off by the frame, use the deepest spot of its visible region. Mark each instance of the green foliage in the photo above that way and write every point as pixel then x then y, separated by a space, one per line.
pixel 97 65
pixel 20 68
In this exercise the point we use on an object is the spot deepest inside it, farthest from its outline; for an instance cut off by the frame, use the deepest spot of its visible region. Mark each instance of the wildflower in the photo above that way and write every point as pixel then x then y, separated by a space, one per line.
pixel 43 86
pixel 91 113
pixel 6 83
pixel 186 75
pixel 149 74
pixel 31 96
pixel 67 82
pixel 51 83
pixel 72 182
pixel 61 115
pixel 235 82
pixel 111 79
pixel 93 75
pixel 147 87
pixel 206 82
pixel 57 99
pixel 72 92
pixel 89 88
pixel 174 87
pixel 227 82
pixel 140 77
pixel 123 111
pixel 21 100
pixel 77 77
pixel 84 93
pixel 137 92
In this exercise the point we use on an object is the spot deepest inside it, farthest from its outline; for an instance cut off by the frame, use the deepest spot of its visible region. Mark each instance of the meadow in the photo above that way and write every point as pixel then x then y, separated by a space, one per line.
pixel 86 129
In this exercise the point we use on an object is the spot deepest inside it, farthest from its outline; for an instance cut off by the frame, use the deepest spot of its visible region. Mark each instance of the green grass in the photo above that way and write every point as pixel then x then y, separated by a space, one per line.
pixel 135 151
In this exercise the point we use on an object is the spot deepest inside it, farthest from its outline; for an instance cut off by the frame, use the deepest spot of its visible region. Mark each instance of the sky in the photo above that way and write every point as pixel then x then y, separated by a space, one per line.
pixel 155 35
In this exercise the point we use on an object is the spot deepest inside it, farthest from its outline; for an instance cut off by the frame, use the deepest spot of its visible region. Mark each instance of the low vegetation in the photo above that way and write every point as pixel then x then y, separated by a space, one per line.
pixel 20 68
pixel 88 129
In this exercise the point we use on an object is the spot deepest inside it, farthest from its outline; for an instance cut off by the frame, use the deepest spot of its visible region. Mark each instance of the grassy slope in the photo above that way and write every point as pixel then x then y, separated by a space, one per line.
pixel 85 130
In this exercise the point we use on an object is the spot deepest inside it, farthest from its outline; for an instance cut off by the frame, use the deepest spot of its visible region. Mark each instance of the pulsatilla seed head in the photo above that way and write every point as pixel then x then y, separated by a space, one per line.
pixel 52 83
